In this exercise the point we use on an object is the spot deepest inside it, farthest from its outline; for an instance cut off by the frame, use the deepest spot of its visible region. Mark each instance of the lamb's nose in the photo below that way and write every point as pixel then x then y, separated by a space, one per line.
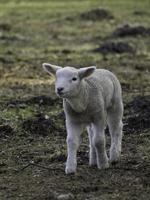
pixel 59 90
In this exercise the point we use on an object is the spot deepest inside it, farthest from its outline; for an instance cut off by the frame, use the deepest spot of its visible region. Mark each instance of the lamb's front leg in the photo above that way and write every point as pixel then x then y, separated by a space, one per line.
pixel 73 141
pixel 99 143
pixel 92 153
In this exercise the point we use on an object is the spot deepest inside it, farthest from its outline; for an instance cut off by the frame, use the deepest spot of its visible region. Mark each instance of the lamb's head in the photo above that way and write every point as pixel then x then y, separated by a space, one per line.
pixel 68 80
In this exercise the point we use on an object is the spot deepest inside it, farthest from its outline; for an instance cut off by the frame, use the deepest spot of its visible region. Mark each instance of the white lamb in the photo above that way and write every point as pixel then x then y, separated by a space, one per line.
pixel 91 98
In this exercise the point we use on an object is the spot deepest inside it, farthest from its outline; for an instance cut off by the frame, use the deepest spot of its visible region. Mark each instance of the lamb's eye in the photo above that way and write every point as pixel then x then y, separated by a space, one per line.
pixel 74 79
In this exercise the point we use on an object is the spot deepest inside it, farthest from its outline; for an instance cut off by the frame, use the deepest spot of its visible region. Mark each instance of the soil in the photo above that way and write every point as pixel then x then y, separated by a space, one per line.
pixel 33 146
pixel 131 171
pixel 39 100
pixel 6 131
pixel 127 30
pixel 42 124
pixel 5 27
pixel 97 14
pixel 114 47
pixel 138 115
pixel 140 13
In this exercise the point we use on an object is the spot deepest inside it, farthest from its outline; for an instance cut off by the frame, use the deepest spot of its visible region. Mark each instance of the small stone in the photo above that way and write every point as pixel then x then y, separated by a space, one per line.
pixel 68 196
pixel 46 117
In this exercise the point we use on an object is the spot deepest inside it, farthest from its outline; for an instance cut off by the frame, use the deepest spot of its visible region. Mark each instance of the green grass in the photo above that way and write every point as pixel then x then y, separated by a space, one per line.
pixel 33 32
pixel 39 32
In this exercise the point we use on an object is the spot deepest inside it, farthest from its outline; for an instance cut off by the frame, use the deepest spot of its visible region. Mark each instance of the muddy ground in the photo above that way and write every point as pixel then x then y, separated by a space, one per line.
pixel 112 35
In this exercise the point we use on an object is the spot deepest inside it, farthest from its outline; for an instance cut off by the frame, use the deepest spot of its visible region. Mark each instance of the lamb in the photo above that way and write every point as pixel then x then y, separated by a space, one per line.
pixel 92 98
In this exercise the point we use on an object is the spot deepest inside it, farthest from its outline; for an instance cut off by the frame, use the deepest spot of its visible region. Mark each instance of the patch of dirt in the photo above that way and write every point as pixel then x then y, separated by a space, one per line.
pixel 41 125
pixel 46 176
pixel 6 131
pixel 142 66
pixel 66 51
pixel 140 12
pixel 5 27
pixel 138 115
pixel 40 100
pixel 127 30
pixel 96 14
pixel 114 47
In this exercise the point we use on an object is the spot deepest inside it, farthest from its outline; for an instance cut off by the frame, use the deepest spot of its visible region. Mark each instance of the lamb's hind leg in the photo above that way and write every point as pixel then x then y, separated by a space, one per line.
pixel 115 127
pixel 92 153
pixel 99 143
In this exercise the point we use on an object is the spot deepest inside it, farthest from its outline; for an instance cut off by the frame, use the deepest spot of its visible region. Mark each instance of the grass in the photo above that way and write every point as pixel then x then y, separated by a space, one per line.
pixel 33 32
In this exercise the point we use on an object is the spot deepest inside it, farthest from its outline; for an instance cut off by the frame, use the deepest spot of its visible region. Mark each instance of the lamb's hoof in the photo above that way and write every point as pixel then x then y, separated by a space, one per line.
pixel 103 165
pixel 93 163
pixel 70 170
pixel 114 161
pixel 114 157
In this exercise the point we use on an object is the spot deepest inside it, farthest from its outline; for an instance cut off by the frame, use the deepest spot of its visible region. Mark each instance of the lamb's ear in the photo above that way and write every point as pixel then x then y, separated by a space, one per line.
pixel 50 69
pixel 85 72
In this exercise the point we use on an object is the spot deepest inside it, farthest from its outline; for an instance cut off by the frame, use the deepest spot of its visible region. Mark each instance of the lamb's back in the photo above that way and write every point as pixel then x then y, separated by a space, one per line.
pixel 104 87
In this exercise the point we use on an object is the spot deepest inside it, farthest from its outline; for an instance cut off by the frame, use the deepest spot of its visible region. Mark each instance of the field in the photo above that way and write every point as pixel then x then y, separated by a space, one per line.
pixel 114 35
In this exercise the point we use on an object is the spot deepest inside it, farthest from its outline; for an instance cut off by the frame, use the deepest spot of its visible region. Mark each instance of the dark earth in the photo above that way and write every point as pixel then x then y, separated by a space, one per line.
pixel 113 35
pixel 97 14
pixel 127 30
pixel 115 47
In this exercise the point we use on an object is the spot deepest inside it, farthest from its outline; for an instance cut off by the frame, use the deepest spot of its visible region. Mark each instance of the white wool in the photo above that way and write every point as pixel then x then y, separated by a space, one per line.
pixel 92 98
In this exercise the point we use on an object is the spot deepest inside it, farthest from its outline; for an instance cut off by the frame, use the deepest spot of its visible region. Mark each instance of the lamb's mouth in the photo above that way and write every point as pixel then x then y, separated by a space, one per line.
pixel 62 94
